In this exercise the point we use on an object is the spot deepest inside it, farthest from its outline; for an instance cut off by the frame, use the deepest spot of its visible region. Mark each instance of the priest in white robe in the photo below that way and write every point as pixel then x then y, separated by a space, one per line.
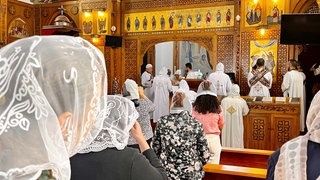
pixel 147 81
pixel 234 108
pixel 260 80
pixel 221 80
pixel 292 86
pixel 162 87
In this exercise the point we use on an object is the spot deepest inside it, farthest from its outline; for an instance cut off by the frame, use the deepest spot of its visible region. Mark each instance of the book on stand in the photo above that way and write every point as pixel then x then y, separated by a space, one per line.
pixel 249 100
pixel 258 99
pixel 294 100
pixel 267 99
pixel 280 99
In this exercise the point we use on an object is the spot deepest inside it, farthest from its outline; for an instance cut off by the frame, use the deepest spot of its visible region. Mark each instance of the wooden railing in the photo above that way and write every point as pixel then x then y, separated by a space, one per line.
pixel 239 164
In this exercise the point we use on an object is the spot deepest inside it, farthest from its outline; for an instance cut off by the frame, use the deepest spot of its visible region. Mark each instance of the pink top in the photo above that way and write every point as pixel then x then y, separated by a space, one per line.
pixel 210 121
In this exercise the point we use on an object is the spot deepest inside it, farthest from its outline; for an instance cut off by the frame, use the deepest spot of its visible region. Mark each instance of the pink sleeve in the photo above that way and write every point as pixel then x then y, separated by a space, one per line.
pixel 221 118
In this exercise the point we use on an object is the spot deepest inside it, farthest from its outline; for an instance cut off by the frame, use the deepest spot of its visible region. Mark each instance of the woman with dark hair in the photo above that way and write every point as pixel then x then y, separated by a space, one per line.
pixel 208 111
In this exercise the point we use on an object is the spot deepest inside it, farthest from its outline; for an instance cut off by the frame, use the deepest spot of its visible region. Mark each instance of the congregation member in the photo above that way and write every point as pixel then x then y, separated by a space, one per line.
pixel 176 78
pixel 220 80
pixel 234 108
pixel 208 111
pixel 189 93
pixel 147 81
pixel 299 158
pixel 162 88
pixel 108 156
pixel 144 107
pixel 53 106
pixel 189 73
pixel 292 86
pixel 260 80
pixel 179 141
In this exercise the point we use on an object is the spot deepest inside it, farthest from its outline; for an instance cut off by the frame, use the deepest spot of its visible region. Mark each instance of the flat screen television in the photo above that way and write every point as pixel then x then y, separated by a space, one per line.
pixel 113 41
pixel 300 29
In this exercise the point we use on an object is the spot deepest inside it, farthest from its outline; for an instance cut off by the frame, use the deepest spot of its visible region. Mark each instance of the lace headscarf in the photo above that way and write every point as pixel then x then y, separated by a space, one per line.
pixel 211 90
pixel 45 79
pixel 186 104
pixel 121 116
pixel 131 88
pixel 292 163
pixel 184 85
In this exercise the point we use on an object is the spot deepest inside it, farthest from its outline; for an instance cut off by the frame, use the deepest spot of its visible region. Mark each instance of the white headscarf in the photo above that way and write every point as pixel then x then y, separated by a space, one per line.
pixel 235 90
pixel 184 85
pixel 41 78
pixel 293 154
pixel 212 91
pixel 220 67
pixel 121 116
pixel 132 88
pixel 163 71
pixel 186 103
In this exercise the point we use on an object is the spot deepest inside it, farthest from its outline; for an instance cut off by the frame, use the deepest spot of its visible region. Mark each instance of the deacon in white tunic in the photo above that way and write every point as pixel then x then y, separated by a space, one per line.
pixel 146 82
pixel 162 87
pixel 234 108
pixel 260 80
pixel 292 86
pixel 221 80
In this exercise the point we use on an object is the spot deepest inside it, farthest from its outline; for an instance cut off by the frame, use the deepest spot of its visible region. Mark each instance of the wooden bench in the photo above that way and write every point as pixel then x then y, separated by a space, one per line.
pixel 245 157
pixel 239 164
pixel 229 172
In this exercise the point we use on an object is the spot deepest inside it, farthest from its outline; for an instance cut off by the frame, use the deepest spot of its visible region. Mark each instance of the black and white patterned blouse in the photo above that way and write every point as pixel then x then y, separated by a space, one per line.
pixel 145 107
pixel 179 142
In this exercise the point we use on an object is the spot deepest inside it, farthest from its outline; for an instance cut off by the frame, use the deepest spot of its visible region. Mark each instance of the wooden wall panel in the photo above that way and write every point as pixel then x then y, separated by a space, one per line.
pixel 225 51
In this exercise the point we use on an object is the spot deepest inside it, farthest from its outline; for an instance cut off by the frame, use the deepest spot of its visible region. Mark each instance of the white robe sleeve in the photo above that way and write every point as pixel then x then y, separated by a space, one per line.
pixel 250 75
pixel 146 80
pixel 245 108
pixel 285 83
pixel 268 76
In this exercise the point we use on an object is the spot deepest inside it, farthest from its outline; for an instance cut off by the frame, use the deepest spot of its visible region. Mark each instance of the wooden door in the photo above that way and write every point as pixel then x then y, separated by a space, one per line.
pixel 283 128
pixel 257 131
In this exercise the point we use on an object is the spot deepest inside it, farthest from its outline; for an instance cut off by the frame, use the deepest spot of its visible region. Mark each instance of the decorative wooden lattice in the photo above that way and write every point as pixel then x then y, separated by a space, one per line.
pixel 258 130
pixel 225 51
pixel 131 58
pixel 283 131
pixel 244 69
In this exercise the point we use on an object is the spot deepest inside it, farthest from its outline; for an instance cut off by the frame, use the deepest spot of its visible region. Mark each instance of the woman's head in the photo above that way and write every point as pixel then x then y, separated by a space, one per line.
pixel 130 91
pixel 207 101
pixel 53 87
pixel 121 116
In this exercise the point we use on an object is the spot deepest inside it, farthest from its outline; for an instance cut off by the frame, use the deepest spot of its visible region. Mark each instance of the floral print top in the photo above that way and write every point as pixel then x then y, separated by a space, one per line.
pixel 145 107
pixel 179 142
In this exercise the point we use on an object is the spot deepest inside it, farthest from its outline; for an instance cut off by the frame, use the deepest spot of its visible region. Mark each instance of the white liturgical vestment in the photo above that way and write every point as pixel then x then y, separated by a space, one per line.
pixel 221 80
pixel 146 82
pixel 234 108
pixel 162 86
pixel 292 86
pixel 260 89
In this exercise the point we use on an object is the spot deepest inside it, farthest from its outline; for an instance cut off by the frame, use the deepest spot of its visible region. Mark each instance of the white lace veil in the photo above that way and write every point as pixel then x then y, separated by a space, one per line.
pixel 211 91
pixel 44 78
pixel 293 154
pixel 121 116
pixel 186 103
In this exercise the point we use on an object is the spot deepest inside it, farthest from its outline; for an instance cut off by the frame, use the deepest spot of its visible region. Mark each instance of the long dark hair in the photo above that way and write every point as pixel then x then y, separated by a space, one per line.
pixel 207 104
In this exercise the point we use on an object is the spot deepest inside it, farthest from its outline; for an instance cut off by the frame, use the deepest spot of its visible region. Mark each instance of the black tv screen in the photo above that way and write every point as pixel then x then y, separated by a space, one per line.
pixel 113 41
pixel 300 29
